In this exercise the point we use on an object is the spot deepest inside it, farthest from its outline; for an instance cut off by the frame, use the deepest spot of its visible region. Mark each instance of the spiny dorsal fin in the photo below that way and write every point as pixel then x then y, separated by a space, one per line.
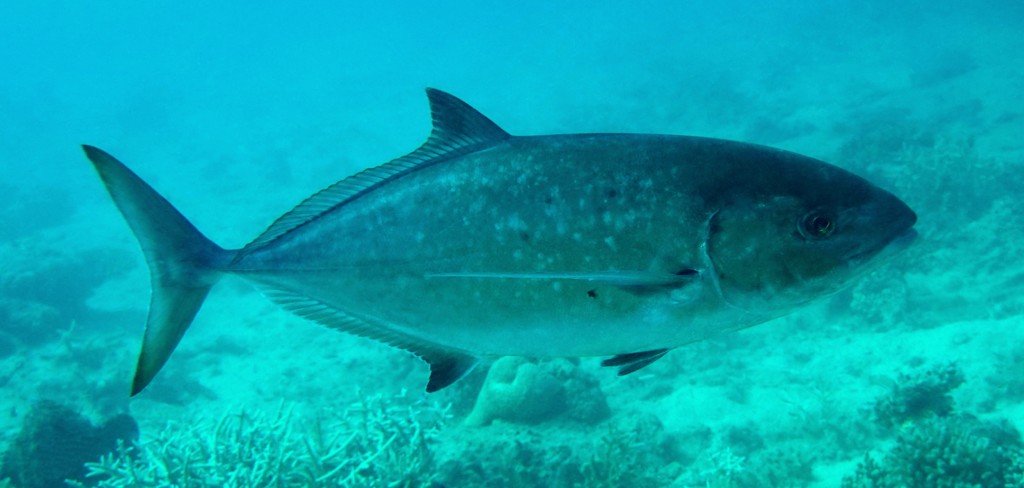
pixel 458 125
pixel 458 130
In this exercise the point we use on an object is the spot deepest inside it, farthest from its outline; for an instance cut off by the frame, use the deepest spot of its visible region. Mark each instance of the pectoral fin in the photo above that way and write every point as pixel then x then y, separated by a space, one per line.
pixel 634 361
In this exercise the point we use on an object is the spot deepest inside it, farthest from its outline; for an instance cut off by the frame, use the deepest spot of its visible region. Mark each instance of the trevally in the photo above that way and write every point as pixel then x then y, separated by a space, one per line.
pixel 483 244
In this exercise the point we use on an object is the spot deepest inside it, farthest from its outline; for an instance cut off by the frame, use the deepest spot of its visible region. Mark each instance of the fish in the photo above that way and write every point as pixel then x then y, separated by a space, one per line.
pixel 481 244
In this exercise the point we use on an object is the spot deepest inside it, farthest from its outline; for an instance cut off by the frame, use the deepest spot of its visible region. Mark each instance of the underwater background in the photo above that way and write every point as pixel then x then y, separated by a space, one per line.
pixel 236 111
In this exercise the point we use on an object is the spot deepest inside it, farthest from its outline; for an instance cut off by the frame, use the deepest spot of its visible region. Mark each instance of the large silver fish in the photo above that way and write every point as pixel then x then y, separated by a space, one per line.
pixel 480 244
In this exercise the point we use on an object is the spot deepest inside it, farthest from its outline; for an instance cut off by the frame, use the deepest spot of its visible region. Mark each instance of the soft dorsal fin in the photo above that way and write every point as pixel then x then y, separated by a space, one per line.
pixel 458 129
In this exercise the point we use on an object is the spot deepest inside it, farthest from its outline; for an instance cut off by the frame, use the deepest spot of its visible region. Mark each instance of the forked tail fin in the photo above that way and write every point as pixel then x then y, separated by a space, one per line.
pixel 183 264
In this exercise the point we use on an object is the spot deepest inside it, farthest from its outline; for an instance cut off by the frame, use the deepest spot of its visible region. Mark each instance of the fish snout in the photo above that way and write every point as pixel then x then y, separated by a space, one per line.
pixel 904 217
pixel 889 217
pixel 887 224
pixel 898 221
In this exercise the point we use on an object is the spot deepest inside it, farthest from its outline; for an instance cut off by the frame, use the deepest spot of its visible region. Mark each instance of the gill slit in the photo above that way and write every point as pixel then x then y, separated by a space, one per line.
pixel 709 264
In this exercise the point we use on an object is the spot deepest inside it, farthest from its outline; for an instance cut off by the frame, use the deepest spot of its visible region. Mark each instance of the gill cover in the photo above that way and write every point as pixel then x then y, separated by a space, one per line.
pixel 776 254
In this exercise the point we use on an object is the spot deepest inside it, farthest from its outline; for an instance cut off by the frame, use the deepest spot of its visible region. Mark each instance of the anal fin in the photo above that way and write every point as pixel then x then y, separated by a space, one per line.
pixel 631 362
pixel 446 365
pixel 447 368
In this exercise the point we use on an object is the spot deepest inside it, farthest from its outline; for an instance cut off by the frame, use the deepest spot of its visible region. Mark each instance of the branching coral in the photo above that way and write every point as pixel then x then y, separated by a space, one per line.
pixel 379 442
pixel 919 395
pixel 936 446
pixel 941 452
pixel 634 452
pixel 629 454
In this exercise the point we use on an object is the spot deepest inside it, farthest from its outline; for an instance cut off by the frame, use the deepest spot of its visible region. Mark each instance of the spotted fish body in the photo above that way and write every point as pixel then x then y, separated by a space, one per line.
pixel 484 244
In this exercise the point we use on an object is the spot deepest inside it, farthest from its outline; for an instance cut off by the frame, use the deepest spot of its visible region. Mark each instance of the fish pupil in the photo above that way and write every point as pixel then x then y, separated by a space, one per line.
pixel 820 226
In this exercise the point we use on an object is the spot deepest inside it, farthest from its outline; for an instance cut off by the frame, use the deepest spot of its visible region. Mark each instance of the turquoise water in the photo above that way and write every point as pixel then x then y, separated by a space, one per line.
pixel 914 376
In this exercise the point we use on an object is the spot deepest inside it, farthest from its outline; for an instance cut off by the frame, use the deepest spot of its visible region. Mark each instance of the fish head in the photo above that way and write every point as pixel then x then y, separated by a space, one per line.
pixel 804 230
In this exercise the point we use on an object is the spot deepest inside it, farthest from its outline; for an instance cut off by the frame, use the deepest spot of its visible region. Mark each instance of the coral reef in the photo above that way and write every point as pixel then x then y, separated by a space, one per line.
pixel 780 467
pixel 1007 382
pixel 724 464
pixel 937 446
pixel 377 442
pixel 621 461
pixel 35 297
pixel 634 452
pixel 28 322
pixel 40 272
pixel 55 442
pixel 391 442
pixel 517 390
pixel 940 452
pixel 718 467
pixel 881 300
pixel 918 395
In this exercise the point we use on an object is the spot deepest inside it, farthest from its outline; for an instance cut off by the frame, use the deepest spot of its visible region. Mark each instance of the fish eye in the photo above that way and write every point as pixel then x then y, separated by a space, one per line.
pixel 817 225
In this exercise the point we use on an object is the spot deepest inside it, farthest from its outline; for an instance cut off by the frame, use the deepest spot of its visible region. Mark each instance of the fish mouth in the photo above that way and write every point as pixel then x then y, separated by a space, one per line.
pixel 887 248
pixel 904 239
